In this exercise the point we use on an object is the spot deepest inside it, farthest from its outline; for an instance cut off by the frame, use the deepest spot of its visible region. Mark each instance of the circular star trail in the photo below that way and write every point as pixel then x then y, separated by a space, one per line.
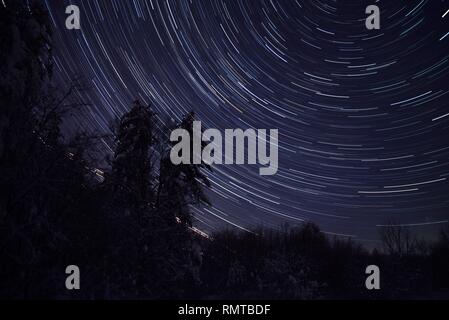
pixel 363 115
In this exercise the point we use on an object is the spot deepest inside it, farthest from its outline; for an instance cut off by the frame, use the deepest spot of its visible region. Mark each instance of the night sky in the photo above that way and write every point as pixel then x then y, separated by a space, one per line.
pixel 362 114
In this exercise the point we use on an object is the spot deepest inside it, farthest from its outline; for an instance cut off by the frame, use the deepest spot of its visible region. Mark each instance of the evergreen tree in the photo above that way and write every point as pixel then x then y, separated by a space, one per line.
pixel 44 191
pixel 132 176
pixel 149 202
pixel 128 189
pixel 182 185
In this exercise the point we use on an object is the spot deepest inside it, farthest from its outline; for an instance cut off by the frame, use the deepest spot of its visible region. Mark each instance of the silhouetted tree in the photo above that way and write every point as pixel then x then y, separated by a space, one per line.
pixel 147 197
pixel 46 200
pixel 397 239
pixel 182 185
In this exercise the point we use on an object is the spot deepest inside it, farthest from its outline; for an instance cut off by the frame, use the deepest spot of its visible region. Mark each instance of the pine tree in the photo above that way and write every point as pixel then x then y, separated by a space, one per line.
pixel 150 199
pixel 132 176
pixel 129 188
pixel 43 187
pixel 181 186
pixel 25 68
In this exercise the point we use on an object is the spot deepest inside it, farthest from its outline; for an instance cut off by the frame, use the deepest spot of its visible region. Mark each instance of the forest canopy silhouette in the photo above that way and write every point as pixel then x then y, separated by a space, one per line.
pixel 130 228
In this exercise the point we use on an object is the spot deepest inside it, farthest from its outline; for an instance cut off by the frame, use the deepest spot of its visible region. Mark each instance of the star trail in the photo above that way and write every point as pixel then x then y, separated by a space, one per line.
pixel 362 114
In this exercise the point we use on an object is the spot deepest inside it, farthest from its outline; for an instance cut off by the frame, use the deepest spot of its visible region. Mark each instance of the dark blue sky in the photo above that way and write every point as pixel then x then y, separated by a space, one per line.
pixel 363 116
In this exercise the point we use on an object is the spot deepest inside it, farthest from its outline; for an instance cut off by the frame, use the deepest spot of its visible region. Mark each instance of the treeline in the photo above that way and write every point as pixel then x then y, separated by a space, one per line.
pixel 129 227
pixel 303 263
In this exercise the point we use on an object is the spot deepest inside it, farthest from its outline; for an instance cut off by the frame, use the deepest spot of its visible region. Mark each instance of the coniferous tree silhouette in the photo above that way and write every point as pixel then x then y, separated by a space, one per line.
pixel 148 201
pixel 129 192
pixel 43 179
pixel 132 175
pixel 183 185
